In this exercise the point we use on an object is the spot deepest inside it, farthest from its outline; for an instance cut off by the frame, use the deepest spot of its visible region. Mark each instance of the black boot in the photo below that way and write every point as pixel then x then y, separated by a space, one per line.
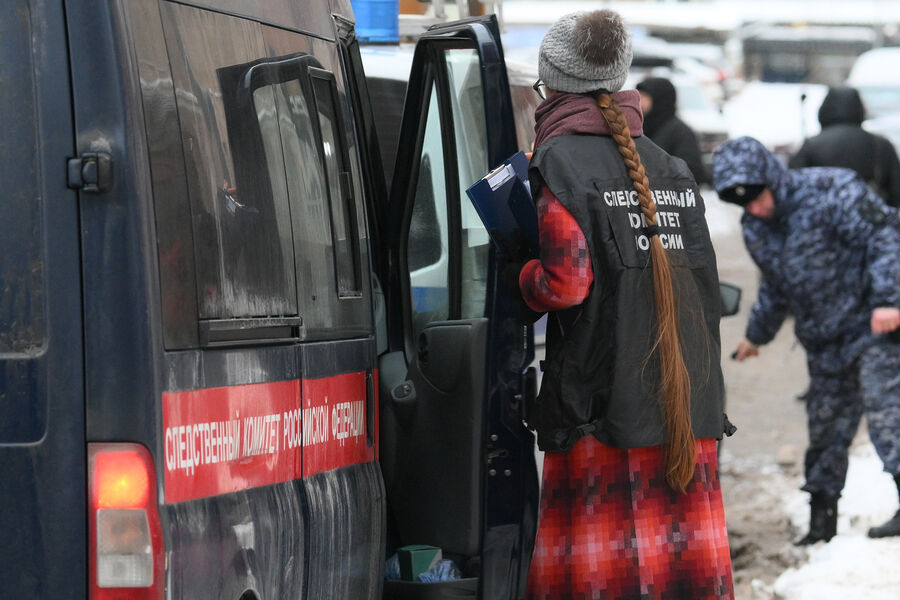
pixel 887 529
pixel 822 519
pixel 892 526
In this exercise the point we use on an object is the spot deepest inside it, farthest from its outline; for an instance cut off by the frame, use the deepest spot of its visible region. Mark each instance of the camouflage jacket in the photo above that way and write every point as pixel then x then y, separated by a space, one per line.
pixel 829 254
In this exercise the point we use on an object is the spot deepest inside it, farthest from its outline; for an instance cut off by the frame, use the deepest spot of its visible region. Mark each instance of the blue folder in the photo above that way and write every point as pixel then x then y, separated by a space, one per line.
pixel 502 199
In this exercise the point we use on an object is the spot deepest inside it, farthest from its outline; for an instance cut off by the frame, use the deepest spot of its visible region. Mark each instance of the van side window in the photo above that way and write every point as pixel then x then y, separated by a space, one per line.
pixel 258 216
pixel 241 221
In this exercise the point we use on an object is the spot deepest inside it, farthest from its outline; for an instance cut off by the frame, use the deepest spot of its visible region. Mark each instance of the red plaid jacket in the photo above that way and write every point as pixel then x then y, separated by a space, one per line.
pixel 562 276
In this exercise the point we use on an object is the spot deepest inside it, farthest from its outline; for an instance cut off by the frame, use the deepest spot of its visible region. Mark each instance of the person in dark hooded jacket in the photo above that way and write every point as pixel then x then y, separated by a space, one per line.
pixel 659 102
pixel 844 143
pixel 827 246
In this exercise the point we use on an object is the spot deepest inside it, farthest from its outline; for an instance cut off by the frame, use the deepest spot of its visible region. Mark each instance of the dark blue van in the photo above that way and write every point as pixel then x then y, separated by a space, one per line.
pixel 231 365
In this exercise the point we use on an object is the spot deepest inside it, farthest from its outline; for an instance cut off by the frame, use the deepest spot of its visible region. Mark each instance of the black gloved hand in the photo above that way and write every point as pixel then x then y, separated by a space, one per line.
pixel 509 277
pixel 509 282
pixel 512 247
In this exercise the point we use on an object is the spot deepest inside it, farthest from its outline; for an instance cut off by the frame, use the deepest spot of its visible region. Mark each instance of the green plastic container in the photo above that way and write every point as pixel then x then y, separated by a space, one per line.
pixel 417 559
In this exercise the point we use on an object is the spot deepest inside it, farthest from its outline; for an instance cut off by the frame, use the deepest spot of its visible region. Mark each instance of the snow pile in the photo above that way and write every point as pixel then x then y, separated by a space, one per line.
pixel 851 565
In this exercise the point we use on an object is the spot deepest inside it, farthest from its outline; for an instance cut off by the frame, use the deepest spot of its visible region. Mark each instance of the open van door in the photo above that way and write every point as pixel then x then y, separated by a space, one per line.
pixel 458 462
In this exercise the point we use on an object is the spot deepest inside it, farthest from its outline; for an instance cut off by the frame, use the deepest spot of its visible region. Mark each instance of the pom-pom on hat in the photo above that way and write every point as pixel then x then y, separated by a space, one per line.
pixel 584 52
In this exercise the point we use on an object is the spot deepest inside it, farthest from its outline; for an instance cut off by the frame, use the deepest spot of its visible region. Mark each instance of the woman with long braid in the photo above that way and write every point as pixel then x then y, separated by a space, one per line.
pixel 631 401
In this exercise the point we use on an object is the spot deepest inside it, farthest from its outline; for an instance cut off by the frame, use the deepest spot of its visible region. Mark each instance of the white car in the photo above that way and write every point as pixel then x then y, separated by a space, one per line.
pixel 780 115
pixel 877 78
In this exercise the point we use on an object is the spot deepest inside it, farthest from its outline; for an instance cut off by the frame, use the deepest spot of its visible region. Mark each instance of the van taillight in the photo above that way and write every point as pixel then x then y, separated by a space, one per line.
pixel 126 538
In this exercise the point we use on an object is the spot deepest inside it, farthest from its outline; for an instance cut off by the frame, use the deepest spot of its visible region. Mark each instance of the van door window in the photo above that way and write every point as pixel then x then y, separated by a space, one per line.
pixel 307 188
pixel 428 257
pixel 467 102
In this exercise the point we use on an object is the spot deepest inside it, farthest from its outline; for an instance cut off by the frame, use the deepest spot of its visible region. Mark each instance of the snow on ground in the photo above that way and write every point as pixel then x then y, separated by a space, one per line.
pixel 722 218
pixel 851 565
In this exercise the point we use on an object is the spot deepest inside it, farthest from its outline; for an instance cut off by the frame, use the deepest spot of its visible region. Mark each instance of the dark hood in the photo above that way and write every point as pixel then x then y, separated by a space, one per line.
pixel 745 160
pixel 664 102
pixel 842 105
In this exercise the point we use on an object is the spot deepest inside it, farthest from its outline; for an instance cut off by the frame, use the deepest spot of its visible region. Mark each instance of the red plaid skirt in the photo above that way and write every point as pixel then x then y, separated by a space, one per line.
pixel 611 528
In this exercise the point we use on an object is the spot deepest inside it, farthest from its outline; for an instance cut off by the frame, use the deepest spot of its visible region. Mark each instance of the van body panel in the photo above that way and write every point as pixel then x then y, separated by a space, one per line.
pixel 42 438
pixel 242 517
pixel 309 538
pixel 346 532
pixel 217 298
pixel 122 344
pixel 308 17
pixel 239 418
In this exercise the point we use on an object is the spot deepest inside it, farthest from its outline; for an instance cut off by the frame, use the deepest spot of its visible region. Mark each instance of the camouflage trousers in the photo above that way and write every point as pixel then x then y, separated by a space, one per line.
pixel 837 401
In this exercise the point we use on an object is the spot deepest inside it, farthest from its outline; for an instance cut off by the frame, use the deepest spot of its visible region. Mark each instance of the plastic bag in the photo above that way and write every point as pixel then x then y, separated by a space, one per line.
pixel 392 568
pixel 444 570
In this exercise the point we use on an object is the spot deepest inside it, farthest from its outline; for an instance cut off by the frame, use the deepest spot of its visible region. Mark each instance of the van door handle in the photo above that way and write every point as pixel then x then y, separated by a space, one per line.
pixel 404 392
pixel 403 401
pixel 90 172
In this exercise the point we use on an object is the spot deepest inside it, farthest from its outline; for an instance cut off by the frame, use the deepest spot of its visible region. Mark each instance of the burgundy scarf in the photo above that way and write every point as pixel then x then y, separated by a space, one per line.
pixel 567 114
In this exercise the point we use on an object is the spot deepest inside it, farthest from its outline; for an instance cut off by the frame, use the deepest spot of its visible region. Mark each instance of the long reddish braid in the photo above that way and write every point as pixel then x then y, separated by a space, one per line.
pixel 681 451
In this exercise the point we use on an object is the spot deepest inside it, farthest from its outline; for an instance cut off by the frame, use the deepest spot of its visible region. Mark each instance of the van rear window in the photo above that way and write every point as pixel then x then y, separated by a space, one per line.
pixel 21 257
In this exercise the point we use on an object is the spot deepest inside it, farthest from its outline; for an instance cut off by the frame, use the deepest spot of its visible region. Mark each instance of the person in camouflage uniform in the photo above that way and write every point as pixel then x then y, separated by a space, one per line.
pixel 828 249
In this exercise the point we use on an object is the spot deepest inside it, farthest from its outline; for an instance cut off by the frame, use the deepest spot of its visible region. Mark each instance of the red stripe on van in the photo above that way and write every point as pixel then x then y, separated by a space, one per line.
pixel 335 423
pixel 225 439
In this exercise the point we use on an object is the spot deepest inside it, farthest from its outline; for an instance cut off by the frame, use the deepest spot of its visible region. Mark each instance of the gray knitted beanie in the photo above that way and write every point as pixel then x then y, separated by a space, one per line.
pixel 586 51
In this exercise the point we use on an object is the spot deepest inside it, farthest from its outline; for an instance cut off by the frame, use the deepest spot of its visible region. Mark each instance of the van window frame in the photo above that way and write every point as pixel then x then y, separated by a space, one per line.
pixel 344 195
pixel 435 80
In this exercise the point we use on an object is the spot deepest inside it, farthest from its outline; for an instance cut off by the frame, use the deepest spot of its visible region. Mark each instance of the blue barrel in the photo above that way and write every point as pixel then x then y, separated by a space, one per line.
pixel 376 20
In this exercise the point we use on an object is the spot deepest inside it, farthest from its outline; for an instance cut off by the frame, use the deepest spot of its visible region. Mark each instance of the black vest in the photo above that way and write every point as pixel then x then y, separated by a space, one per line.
pixel 599 375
